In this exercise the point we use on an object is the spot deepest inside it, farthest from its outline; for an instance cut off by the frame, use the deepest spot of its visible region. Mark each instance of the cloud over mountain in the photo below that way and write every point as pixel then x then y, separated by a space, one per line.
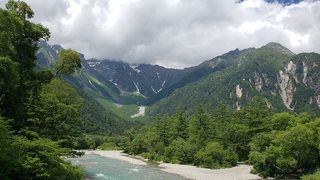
pixel 177 33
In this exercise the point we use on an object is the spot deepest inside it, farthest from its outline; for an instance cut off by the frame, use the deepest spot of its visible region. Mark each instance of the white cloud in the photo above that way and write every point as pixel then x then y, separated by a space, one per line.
pixel 176 33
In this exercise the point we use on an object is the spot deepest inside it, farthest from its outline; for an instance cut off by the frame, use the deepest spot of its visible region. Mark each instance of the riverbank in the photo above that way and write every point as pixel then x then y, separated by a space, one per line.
pixel 241 172
pixel 117 155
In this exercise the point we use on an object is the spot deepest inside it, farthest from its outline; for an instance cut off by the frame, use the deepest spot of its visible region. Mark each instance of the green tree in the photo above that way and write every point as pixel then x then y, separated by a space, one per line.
pixel 21 158
pixel 181 125
pixel 162 130
pixel 68 62
pixel 8 82
pixel 314 176
pixel 251 120
pixel 294 151
pixel 215 156
pixel 27 103
pixel 56 114
pixel 180 151
pixel 199 129
pixel 18 42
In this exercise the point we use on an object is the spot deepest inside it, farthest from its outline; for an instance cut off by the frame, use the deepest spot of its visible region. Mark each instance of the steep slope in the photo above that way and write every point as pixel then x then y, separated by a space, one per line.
pixel 285 80
pixel 195 73
pixel 99 119
pixel 99 111
pixel 143 79
pixel 152 82
pixel 123 83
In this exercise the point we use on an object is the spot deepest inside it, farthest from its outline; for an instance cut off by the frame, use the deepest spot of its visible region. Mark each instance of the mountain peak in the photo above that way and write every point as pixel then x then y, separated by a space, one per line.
pixel 276 46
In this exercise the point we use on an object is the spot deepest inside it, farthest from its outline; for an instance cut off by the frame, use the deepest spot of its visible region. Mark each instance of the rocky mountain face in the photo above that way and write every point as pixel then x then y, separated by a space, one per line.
pixel 123 82
pixel 299 83
pixel 147 80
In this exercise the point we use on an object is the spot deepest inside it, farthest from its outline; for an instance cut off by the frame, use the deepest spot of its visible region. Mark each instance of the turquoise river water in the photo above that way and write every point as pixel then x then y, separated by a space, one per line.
pixel 98 168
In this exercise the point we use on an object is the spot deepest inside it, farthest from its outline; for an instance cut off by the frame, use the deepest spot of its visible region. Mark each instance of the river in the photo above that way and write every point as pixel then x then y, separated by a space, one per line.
pixel 98 168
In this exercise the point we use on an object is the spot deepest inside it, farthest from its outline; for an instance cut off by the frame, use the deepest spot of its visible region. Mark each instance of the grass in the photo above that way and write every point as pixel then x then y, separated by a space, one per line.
pixel 128 100
pixel 126 111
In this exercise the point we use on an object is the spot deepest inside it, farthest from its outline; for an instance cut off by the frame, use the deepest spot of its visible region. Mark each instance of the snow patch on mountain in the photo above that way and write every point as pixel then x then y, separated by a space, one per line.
pixel 93 63
pixel 140 113
pixel 137 87
pixel 135 68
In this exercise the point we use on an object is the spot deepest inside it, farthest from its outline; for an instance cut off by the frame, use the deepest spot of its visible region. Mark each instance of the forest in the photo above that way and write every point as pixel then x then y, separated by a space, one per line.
pixel 282 145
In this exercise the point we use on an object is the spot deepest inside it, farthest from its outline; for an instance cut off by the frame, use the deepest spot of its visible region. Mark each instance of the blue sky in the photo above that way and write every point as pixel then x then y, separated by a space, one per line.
pixel 285 1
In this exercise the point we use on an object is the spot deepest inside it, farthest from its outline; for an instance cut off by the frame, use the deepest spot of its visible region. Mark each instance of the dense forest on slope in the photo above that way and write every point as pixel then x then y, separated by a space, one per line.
pixel 99 120
pixel 281 145
pixel 286 81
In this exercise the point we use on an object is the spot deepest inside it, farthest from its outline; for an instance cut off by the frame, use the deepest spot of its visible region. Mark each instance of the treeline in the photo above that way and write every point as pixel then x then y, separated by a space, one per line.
pixel 39 112
pixel 277 144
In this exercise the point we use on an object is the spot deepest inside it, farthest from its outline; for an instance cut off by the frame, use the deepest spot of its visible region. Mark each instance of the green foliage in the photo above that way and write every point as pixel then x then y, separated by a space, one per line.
pixel 8 83
pixel 43 113
pixel 55 114
pixel 293 149
pixel 180 151
pixel 213 140
pixel 199 130
pixel 256 71
pixel 108 146
pixel 39 158
pixel 18 37
pixel 68 62
pixel 314 176
pixel 97 119
pixel 245 69
pixel 281 145
pixel 215 156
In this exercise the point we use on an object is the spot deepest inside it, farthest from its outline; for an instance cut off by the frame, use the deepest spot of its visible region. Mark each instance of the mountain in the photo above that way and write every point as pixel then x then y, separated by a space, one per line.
pixel 97 114
pixel 125 83
pixel 287 82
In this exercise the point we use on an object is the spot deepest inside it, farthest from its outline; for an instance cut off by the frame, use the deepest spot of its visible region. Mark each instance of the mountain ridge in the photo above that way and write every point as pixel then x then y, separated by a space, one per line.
pixel 288 82
pixel 268 71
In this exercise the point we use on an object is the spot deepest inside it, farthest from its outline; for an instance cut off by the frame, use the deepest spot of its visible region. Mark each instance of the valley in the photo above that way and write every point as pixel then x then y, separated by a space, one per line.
pixel 243 102
pixel 204 115
pixel 272 72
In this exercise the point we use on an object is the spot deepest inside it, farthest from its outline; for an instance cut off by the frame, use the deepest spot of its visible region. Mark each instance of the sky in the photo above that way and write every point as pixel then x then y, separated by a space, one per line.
pixel 177 33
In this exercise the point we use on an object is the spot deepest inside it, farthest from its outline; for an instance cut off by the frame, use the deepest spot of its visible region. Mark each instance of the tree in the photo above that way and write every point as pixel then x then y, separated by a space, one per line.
pixel 214 156
pixel 21 158
pixel 18 42
pixel 8 82
pixel 55 114
pixel 294 151
pixel 162 130
pixel 68 62
pixel 180 151
pixel 26 106
pixel 251 120
pixel 199 131
pixel 8 158
pixel 181 125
